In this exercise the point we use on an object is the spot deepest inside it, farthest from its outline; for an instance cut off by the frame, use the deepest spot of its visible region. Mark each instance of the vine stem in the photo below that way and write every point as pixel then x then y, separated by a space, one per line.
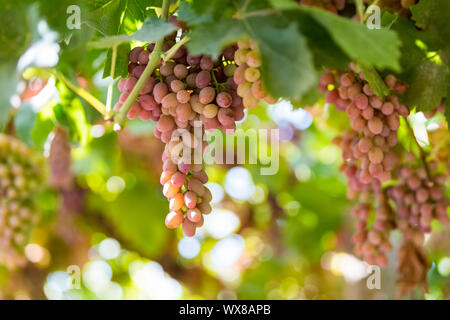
pixel 111 83
pixel 421 152
pixel 366 15
pixel 360 9
pixel 93 101
pixel 154 60
pixel 169 54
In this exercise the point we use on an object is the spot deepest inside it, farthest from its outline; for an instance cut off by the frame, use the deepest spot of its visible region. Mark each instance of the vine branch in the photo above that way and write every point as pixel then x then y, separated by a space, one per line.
pixel 169 54
pixel 421 152
pixel 111 83
pixel 154 60
pixel 93 101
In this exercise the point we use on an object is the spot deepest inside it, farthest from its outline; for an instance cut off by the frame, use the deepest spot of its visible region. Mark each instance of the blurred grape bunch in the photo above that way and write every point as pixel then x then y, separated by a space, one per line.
pixel 59 160
pixel 412 268
pixel 21 176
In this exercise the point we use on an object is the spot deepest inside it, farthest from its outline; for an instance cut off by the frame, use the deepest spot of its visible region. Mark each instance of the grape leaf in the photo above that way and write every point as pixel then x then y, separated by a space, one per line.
pixel 433 16
pixel 216 8
pixel 427 86
pixel 411 54
pixel 140 227
pixel 284 4
pixel 211 38
pixel 152 30
pixel 376 83
pixel 24 122
pixel 378 48
pixel 319 41
pixel 70 113
pixel 8 81
pixel 44 124
pixel 187 14
pixel 116 17
pixel 287 65
pixel 15 34
pixel 308 99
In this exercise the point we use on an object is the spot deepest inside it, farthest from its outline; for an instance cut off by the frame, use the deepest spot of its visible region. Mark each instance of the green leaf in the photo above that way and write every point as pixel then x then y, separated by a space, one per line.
pixel 284 4
pixel 216 8
pixel 411 54
pixel 8 83
pixel 287 65
pixel 187 14
pixel 320 42
pixel 141 227
pixel 15 34
pixel 447 104
pixel 427 86
pixel 44 124
pixel 433 17
pixel 376 83
pixel 70 113
pixel 152 30
pixel 211 38
pixel 388 19
pixel 308 99
pixel 24 122
pixel 378 48
pixel 117 17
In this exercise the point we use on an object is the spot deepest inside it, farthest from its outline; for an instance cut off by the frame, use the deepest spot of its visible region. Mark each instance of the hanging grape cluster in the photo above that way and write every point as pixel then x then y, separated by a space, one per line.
pixel 185 96
pixel 21 176
pixel 371 157
pixel 419 197
pixel 248 75
pixel 374 222
pixel 367 148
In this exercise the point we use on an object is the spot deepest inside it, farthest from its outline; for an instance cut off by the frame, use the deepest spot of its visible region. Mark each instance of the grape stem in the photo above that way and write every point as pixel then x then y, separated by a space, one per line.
pixel 169 54
pixel 421 152
pixel 366 15
pixel 93 101
pixel 111 83
pixel 154 60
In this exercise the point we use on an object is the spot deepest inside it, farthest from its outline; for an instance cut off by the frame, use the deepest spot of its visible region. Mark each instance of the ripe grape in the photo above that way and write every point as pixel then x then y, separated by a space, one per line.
pixel 22 176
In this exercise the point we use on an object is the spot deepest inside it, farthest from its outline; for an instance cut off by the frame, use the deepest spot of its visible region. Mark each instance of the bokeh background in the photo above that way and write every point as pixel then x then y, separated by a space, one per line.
pixel 286 236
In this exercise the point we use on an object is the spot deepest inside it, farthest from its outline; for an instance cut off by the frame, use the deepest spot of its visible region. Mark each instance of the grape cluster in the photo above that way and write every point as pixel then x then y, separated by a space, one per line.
pixel 419 198
pixel 439 108
pixel 372 239
pixel 184 96
pixel 60 161
pixel 21 175
pixel 330 5
pixel 248 76
pixel 367 148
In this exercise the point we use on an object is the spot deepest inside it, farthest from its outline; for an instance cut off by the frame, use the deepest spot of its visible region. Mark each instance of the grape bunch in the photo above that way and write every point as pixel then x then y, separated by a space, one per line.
pixel 247 75
pixel 439 108
pixel 330 5
pixel 185 96
pixel 372 238
pixel 419 198
pixel 367 149
pixel 60 161
pixel 21 175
